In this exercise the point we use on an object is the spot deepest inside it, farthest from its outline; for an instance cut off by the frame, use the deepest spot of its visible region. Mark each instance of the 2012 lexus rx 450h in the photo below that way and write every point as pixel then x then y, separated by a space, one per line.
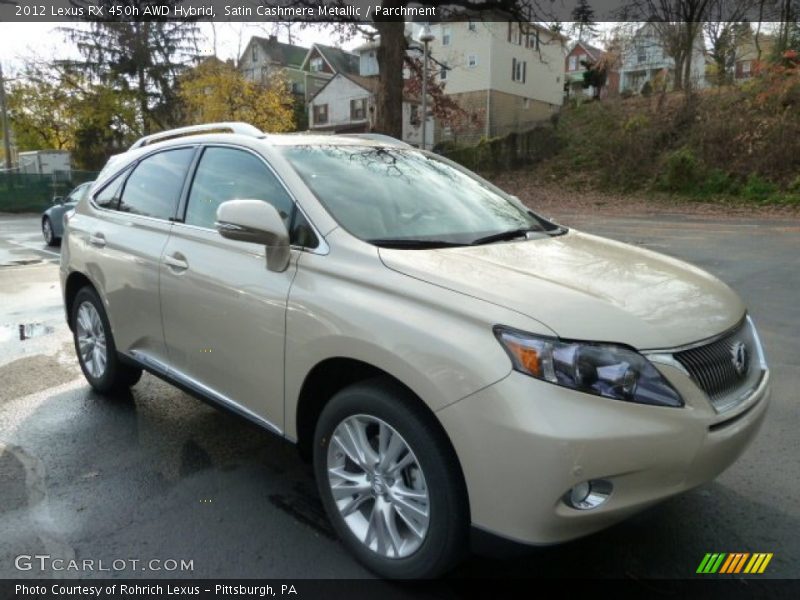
pixel 451 361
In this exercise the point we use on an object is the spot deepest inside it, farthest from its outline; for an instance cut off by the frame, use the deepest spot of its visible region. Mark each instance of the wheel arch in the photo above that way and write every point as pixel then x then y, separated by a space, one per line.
pixel 331 375
pixel 74 283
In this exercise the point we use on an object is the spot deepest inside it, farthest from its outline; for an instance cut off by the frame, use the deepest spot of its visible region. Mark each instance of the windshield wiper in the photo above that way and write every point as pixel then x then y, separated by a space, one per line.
pixel 412 244
pixel 512 234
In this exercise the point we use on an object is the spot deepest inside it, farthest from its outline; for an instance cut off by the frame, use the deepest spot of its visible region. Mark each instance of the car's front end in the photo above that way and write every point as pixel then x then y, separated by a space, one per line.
pixel 547 463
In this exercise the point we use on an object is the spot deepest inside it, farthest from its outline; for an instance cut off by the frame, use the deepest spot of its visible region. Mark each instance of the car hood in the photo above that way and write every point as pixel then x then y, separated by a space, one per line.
pixel 584 287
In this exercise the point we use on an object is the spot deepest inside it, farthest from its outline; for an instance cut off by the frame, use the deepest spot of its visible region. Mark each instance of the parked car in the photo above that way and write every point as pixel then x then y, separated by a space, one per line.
pixel 449 360
pixel 53 217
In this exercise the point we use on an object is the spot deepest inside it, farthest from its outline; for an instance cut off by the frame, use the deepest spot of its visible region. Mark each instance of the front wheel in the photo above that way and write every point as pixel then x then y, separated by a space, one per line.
pixel 390 482
pixel 47 232
pixel 95 347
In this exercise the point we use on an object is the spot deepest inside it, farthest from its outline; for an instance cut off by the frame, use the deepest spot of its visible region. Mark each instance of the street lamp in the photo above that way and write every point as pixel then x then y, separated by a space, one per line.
pixel 426 37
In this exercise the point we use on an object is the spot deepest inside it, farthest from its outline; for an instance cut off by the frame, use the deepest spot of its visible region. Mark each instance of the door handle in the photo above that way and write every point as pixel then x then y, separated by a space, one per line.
pixel 176 262
pixel 97 239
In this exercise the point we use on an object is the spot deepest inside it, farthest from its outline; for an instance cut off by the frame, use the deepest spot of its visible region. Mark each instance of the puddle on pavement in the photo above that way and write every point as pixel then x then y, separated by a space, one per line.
pixel 24 331
pixel 22 262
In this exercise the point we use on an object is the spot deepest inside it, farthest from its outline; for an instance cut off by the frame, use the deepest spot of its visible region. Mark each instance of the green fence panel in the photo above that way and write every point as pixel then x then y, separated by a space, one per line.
pixel 28 192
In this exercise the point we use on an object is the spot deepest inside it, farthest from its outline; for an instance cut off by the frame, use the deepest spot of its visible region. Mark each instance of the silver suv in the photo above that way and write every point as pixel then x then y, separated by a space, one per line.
pixel 451 361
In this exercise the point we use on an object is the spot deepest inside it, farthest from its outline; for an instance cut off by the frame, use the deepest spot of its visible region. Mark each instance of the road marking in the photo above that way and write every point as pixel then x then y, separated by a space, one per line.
pixel 32 247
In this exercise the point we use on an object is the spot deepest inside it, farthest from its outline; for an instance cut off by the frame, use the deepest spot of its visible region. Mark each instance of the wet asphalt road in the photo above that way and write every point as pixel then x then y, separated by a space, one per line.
pixel 156 474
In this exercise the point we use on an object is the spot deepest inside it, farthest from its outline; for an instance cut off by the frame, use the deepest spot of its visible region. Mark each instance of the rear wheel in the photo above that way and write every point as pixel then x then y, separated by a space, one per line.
pixel 47 232
pixel 95 347
pixel 390 482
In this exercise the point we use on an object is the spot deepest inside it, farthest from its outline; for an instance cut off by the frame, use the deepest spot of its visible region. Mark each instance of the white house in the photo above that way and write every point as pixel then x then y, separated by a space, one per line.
pixel 644 57
pixel 346 104
pixel 511 73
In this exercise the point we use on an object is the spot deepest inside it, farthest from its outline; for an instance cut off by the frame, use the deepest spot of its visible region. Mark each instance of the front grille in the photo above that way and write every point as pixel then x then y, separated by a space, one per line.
pixel 713 366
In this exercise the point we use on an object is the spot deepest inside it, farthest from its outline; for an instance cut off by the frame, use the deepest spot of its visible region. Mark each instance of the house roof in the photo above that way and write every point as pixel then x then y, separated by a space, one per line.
pixel 369 84
pixel 593 51
pixel 287 55
pixel 339 60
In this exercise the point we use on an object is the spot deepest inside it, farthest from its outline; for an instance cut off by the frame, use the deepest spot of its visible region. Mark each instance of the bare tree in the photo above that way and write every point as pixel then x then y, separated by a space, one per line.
pixel 725 29
pixel 679 25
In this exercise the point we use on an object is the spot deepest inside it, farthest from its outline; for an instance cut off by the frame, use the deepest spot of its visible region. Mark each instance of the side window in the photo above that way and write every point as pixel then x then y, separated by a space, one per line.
pixel 301 233
pixel 154 187
pixel 109 196
pixel 229 174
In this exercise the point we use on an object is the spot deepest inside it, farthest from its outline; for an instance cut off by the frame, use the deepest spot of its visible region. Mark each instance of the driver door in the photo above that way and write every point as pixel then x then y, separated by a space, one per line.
pixel 223 311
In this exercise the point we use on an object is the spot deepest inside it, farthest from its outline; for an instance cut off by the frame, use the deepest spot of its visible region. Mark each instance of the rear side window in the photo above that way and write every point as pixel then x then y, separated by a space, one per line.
pixel 109 196
pixel 228 174
pixel 154 187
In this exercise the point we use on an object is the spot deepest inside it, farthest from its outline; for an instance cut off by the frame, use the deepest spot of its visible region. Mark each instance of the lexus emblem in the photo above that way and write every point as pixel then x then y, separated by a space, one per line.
pixel 739 358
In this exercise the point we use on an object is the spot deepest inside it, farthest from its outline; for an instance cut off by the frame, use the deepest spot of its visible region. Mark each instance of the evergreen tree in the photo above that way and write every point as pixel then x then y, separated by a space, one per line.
pixel 138 59
pixel 584 25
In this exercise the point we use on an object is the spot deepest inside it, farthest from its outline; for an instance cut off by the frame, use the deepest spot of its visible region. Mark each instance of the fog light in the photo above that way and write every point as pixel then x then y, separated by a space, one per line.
pixel 589 494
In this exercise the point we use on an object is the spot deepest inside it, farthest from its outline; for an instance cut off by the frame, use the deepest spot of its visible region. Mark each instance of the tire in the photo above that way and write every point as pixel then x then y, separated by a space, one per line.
pixel 47 232
pixel 99 360
pixel 413 547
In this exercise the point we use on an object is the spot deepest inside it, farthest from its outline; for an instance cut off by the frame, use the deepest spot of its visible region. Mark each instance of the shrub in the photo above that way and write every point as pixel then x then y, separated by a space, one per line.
pixel 717 183
pixel 682 172
pixel 758 189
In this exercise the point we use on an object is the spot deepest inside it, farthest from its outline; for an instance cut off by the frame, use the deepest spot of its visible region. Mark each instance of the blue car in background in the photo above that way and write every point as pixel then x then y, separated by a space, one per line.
pixel 53 217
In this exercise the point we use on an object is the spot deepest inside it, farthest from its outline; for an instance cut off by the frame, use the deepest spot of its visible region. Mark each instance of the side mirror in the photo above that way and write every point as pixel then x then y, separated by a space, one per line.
pixel 58 200
pixel 257 222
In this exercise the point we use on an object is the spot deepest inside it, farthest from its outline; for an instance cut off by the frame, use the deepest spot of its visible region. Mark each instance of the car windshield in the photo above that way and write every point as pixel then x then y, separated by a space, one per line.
pixel 406 198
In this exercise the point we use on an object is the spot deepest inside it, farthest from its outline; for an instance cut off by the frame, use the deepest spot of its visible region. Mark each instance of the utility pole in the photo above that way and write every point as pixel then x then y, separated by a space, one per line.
pixel 426 38
pixel 4 117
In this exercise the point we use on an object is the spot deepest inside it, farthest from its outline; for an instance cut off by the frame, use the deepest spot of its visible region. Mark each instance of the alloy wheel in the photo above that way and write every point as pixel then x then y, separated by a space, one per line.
pixel 378 486
pixel 47 231
pixel 91 340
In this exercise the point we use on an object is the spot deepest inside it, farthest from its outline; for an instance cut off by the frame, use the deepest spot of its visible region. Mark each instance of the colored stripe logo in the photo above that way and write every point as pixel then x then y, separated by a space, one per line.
pixel 734 562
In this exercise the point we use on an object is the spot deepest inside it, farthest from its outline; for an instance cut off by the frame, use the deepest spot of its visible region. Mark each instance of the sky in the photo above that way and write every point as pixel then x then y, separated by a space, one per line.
pixel 21 41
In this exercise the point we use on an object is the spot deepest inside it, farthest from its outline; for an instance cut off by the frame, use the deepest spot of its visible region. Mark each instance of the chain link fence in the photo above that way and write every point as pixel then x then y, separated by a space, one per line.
pixel 29 192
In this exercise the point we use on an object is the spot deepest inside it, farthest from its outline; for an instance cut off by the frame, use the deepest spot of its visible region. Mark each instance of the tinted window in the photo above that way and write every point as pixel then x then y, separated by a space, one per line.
pixel 109 197
pixel 154 187
pixel 301 233
pixel 228 174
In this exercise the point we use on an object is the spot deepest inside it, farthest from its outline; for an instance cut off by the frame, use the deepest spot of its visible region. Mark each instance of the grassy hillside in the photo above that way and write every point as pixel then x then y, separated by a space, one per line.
pixel 735 142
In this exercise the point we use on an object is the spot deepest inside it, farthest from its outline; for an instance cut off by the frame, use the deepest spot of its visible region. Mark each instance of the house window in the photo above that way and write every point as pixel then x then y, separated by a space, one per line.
pixel 358 109
pixel 254 53
pixel 514 33
pixel 414 116
pixel 443 72
pixel 641 53
pixel 518 70
pixel 316 64
pixel 472 26
pixel 532 39
pixel 573 63
pixel 320 114
pixel 746 67
pixel 445 36
pixel 472 60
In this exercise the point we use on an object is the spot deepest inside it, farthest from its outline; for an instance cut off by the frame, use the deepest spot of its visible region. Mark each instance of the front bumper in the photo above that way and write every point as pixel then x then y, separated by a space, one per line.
pixel 524 443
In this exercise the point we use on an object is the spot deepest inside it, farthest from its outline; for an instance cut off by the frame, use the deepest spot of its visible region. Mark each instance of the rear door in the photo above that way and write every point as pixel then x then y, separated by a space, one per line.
pixel 133 217
pixel 224 312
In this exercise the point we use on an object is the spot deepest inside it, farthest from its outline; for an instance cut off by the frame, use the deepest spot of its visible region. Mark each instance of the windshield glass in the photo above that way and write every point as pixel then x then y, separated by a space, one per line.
pixel 384 194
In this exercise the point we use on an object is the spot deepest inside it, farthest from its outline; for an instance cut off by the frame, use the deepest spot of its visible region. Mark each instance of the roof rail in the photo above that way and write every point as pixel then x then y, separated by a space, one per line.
pixel 228 127
pixel 378 137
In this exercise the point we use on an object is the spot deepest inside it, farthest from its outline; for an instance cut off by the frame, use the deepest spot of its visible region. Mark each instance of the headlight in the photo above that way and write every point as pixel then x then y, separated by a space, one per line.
pixel 601 369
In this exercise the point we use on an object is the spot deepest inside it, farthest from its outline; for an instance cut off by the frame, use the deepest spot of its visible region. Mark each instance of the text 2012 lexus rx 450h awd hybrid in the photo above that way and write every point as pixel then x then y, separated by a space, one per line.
pixel 446 357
